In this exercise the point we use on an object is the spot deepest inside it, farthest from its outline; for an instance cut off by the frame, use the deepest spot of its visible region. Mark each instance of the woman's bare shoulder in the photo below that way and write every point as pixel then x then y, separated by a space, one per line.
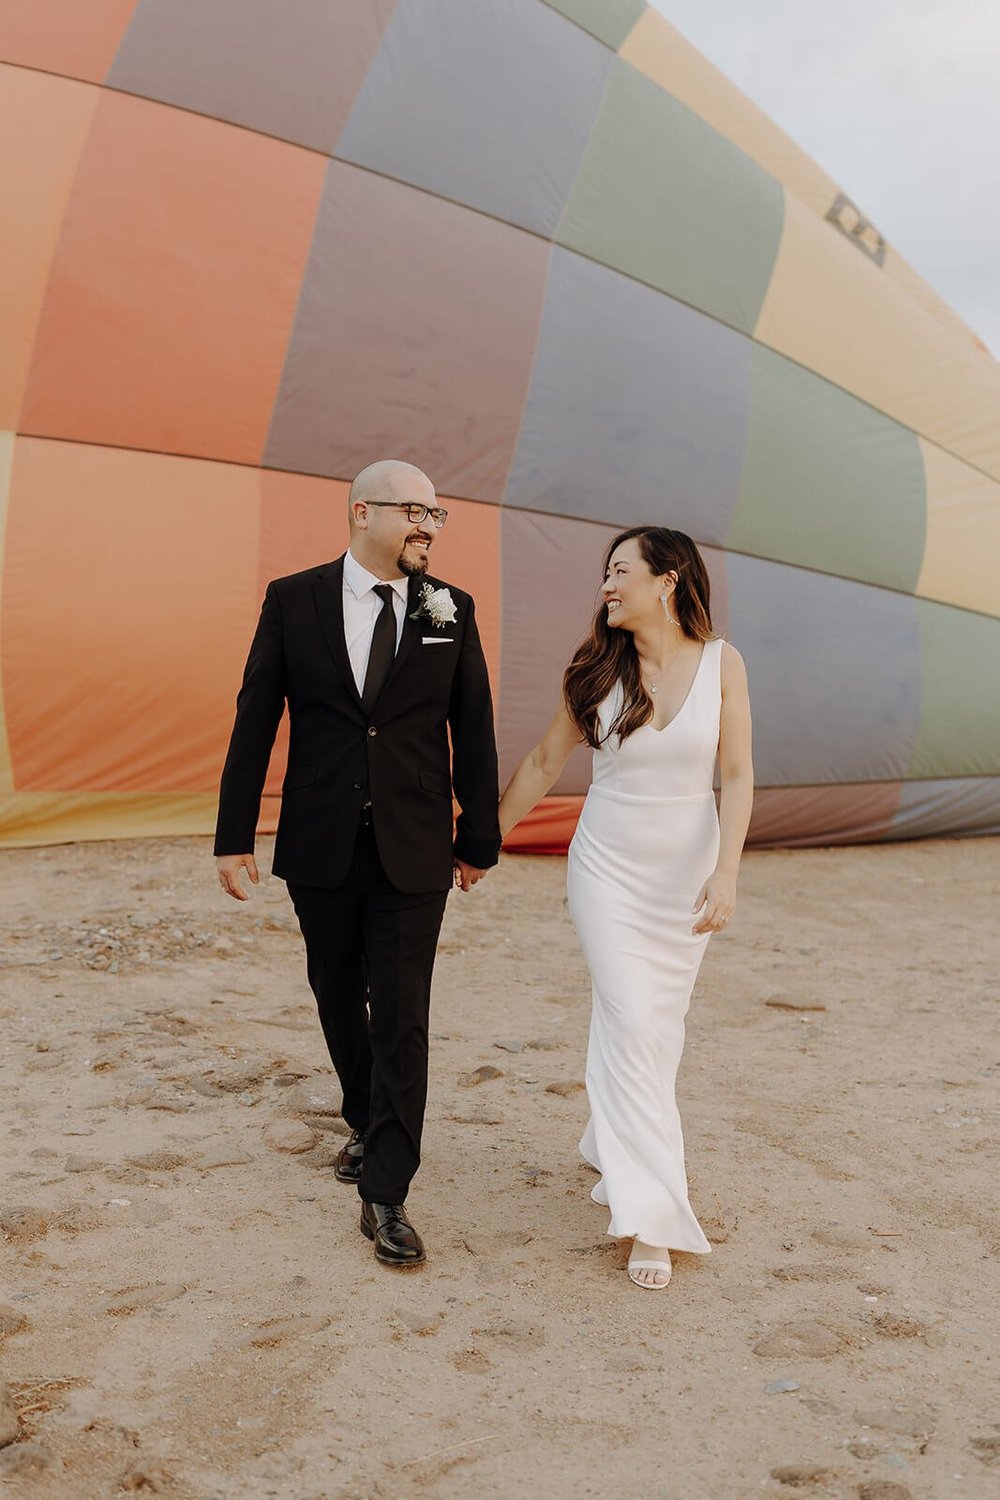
pixel 733 666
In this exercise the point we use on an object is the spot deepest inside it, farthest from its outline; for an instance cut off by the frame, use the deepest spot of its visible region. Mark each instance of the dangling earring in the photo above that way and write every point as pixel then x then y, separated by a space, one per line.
pixel 666 611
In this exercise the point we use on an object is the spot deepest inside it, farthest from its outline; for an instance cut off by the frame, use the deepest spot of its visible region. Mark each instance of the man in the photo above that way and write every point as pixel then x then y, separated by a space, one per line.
pixel 377 662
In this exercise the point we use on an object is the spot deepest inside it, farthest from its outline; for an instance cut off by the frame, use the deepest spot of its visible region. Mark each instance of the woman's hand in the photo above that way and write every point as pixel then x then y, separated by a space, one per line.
pixel 716 902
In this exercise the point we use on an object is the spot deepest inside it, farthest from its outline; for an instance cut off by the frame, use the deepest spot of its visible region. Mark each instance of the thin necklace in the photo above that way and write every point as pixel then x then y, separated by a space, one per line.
pixel 652 685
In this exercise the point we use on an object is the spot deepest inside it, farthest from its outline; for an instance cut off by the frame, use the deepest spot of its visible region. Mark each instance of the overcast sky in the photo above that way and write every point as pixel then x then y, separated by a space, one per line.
pixel 899 100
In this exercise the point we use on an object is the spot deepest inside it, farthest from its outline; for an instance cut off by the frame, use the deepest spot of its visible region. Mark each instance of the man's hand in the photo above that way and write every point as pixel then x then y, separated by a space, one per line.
pixel 466 875
pixel 229 867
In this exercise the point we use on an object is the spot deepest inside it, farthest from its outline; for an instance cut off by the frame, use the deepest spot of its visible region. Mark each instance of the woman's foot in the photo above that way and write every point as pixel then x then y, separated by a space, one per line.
pixel 649 1266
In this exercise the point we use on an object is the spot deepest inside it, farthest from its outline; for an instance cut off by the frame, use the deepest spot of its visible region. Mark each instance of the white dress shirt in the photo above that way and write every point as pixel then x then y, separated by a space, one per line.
pixel 362 607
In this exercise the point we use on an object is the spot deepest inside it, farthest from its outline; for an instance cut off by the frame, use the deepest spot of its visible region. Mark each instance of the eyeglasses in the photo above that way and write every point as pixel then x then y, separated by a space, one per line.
pixel 416 513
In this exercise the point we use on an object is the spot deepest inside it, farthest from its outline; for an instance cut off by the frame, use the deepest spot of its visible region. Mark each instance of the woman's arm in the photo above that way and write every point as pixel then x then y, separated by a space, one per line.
pixel 718 894
pixel 539 770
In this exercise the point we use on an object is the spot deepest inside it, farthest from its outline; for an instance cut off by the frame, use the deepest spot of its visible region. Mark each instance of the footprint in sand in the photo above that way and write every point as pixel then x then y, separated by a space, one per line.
pixel 805 1339
pixel 11 1321
pixel 915 1422
pixel 24 1459
pixel 986 1449
pixel 278 1330
pixel 800 1476
pixel 20 1224
pixel 892 1325
pixel 471 1362
pixel 163 1160
pixel 135 1298
pixel 837 1237
pixel 514 1333
pixel 815 1272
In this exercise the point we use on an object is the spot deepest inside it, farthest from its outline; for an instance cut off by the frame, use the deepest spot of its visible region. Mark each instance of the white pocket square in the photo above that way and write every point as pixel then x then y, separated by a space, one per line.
pixel 437 640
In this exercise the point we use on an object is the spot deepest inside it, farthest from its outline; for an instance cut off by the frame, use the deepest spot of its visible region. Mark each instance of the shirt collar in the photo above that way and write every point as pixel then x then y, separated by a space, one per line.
pixel 361 582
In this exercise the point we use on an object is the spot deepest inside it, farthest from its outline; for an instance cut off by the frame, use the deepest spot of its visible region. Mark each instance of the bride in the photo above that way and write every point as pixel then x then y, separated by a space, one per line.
pixel 652 865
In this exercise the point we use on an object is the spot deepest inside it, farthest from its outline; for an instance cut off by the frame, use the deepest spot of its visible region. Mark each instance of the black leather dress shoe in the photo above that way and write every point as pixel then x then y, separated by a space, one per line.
pixel 351 1159
pixel 397 1243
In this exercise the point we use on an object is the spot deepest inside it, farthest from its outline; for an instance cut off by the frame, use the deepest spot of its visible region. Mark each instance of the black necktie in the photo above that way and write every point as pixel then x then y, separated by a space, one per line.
pixel 383 649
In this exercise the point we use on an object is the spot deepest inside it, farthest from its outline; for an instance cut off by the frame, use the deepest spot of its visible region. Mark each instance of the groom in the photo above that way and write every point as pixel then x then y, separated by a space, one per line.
pixel 377 662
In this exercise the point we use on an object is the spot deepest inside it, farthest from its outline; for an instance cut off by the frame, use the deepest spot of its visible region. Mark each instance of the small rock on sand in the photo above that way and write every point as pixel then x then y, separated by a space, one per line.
pixel 794 1002
pixel 564 1090
pixel 804 1339
pixel 479 1075
pixel 509 1044
pixel 292 1136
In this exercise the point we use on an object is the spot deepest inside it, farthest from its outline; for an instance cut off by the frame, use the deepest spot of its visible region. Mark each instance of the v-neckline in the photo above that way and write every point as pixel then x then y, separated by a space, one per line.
pixel 697 673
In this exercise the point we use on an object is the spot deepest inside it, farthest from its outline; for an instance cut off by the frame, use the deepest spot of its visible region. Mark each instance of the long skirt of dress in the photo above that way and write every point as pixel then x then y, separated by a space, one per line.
pixel 636 865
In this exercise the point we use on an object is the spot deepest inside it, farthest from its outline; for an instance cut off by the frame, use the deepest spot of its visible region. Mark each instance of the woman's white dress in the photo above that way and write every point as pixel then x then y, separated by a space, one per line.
pixel 647 839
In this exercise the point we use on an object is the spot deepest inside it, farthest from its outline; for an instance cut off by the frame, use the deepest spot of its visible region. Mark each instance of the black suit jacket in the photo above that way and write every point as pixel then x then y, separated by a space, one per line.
pixel 340 758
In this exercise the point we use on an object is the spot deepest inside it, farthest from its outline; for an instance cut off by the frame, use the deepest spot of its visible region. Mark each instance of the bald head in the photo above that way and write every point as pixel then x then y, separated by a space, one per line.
pixel 383 538
pixel 390 479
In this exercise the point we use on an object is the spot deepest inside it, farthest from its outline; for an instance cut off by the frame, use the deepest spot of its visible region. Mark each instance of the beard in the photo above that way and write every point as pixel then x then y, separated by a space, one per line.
pixel 412 567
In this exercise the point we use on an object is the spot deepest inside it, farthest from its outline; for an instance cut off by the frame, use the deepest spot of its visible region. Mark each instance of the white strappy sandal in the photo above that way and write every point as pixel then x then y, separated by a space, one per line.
pixel 650 1265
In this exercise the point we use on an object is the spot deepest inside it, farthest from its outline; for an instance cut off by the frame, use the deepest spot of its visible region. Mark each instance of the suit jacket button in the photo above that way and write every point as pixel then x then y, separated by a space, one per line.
pixel 372 730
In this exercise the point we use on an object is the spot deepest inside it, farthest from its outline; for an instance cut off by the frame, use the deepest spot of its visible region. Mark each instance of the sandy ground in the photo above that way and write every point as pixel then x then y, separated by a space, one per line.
pixel 189 1309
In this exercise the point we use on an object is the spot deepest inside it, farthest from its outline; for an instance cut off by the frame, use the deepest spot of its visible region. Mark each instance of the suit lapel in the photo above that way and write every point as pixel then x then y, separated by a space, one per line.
pixel 328 595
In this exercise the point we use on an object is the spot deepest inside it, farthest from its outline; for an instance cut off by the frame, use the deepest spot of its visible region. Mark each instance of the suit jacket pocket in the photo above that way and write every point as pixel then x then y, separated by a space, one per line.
pixel 298 776
pixel 433 781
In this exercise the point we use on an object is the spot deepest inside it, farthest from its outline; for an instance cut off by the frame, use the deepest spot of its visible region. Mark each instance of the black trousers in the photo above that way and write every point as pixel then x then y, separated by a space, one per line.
pixel 369 956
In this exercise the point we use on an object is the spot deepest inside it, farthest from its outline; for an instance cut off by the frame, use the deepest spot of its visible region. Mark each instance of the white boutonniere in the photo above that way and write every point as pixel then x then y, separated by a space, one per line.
pixel 435 605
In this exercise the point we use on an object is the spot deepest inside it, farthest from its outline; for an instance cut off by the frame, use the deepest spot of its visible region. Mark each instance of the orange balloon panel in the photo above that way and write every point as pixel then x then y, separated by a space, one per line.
pixel 64 36
pixel 129 593
pixel 49 119
pixel 174 284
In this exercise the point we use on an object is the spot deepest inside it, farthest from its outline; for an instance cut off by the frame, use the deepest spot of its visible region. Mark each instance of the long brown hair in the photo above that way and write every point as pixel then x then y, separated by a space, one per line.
pixel 608 655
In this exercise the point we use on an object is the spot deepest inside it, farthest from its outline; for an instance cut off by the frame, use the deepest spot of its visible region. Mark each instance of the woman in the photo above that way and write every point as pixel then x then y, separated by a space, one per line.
pixel 652 865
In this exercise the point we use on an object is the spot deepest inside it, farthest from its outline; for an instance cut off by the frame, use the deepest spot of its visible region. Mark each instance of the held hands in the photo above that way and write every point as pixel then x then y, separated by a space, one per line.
pixel 716 902
pixel 229 867
pixel 466 876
